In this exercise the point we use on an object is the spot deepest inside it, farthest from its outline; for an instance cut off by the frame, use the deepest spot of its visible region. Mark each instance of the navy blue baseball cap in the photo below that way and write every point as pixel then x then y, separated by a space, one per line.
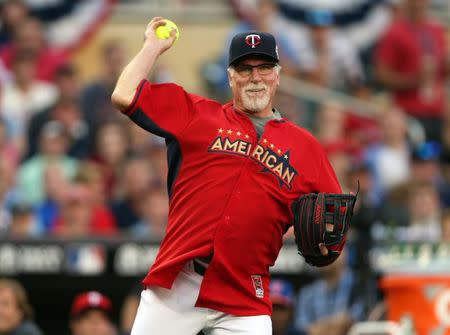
pixel 319 17
pixel 253 43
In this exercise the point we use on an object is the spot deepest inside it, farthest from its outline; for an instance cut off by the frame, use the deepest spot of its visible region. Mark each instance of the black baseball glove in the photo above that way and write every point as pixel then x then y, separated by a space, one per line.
pixel 322 218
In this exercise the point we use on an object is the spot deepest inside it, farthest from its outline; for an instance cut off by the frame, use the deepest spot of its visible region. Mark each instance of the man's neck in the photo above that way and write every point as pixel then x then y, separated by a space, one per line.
pixel 261 115
pixel 267 112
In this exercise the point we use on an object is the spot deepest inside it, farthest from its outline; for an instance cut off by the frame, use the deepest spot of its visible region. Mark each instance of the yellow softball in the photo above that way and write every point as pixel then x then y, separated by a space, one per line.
pixel 163 32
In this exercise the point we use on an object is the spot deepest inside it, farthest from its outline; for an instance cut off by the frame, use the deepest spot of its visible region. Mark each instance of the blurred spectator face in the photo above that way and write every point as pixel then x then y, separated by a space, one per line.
pixel 361 173
pixel 24 68
pixel 363 92
pixel 7 176
pixel 156 208
pixel 335 269
pixel 423 202
pixel 92 322
pixel 68 82
pixel 320 23
pixel 112 144
pixel 3 132
pixel 90 314
pixel 330 122
pixel 55 183
pixel 90 175
pixel 30 36
pixel 10 313
pixel 137 178
pixel 53 140
pixel 425 170
pixel 394 126
pixel 282 297
pixel 77 211
pixel 416 6
pixel 265 9
pixel 22 221
pixel 139 138
pixel 339 155
pixel 114 58
pixel 13 13
pixel 67 112
pixel 340 161
pixel 320 36
pixel 290 105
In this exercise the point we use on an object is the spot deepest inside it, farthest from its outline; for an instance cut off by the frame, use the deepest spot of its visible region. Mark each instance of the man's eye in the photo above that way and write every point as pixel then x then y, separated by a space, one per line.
pixel 266 66
pixel 243 69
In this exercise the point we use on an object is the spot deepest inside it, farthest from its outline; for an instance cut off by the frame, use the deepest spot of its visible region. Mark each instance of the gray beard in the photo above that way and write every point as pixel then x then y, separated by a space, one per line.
pixel 255 105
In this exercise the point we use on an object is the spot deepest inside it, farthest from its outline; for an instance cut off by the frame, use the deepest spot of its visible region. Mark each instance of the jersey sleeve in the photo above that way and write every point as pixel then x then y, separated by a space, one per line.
pixel 162 109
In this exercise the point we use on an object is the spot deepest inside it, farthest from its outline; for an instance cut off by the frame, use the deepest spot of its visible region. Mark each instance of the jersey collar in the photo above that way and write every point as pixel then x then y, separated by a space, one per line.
pixel 278 117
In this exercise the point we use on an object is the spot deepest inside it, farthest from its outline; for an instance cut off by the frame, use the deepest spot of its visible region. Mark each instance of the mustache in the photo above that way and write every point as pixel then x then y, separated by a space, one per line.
pixel 255 87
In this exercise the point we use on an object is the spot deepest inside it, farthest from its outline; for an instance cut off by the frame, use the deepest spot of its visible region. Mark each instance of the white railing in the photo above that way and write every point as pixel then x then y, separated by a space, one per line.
pixel 319 94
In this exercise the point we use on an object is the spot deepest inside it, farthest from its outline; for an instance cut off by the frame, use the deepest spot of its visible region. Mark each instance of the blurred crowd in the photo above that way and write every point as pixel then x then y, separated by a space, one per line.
pixel 398 148
pixel 72 167
pixel 91 312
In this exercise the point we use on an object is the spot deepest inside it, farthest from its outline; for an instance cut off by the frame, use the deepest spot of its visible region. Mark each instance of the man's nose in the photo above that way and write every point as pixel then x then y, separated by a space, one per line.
pixel 255 76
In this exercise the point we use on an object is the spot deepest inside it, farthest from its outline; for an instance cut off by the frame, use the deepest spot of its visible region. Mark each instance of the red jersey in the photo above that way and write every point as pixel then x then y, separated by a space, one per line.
pixel 402 49
pixel 229 192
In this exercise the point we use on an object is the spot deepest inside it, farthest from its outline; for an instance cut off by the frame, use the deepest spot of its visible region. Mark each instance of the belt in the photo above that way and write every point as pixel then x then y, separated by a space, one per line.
pixel 199 268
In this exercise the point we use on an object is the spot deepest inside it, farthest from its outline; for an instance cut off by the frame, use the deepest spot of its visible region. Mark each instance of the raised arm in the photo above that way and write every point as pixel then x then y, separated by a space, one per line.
pixel 141 65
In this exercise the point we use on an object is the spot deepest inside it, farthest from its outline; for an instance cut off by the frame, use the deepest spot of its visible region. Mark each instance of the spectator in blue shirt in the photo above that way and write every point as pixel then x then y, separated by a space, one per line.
pixel 331 304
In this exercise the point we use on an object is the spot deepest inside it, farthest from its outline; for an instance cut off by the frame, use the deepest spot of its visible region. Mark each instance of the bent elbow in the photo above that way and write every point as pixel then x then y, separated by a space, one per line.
pixel 120 101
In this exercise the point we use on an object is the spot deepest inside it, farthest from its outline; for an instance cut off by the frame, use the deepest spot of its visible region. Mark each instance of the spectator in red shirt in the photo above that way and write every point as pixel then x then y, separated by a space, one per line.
pixel 90 175
pixel 80 217
pixel 411 61
pixel 29 38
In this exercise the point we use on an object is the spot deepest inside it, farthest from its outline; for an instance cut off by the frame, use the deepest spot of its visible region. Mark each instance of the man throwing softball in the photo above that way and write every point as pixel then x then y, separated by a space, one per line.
pixel 234 171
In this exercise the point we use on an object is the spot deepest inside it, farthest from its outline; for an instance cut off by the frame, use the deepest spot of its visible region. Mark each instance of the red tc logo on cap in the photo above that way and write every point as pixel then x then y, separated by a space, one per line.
pixel 252 40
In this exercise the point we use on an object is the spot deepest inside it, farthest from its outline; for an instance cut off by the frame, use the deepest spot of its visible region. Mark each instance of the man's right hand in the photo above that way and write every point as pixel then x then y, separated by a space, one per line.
pixel 153 41
pixel 141 64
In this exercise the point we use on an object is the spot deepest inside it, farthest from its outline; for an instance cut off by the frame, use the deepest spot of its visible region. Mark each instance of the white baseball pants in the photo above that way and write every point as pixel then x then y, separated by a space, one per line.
pixel 172 312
